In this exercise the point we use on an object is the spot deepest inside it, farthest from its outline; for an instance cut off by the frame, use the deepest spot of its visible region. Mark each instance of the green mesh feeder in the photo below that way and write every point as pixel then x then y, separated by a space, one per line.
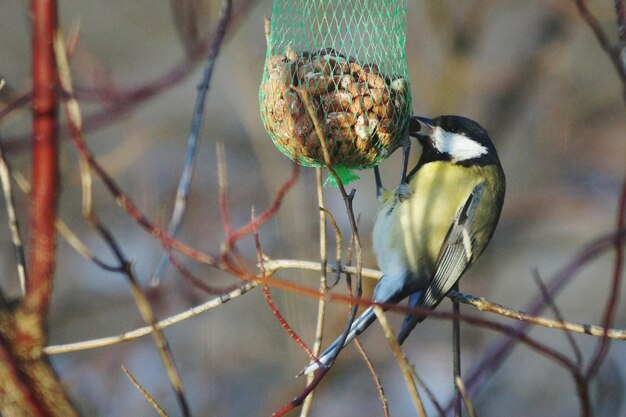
pixel 342 64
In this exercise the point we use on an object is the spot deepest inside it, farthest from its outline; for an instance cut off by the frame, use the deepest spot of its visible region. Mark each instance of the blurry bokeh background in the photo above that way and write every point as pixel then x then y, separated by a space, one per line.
pixel 530 71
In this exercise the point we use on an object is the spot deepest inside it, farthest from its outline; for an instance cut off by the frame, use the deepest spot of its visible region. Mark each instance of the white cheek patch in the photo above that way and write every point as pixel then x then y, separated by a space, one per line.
pixel 458 146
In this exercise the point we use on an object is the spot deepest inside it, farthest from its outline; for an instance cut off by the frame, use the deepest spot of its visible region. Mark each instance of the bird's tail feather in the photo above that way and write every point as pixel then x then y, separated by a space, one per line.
pixel 410 320
pixel 358 326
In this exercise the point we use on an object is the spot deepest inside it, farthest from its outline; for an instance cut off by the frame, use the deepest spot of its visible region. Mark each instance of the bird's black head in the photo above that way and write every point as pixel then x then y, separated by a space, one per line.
pixel 453 138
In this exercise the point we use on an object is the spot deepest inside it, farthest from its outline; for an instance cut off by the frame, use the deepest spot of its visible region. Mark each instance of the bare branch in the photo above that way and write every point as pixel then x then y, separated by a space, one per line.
pixel 184 184
pixel 145 393
pixel 196 281
pixel 557 313
pixel 480 303
pixel 146 330
pixel 270 301
pixel 468 404
pixel 614 293
pixel 484 305
pixel 614 53
pixel 273 265
pixel 321 304
pixel 14 227
pixel 493 357
pixel 405 367
pixel 379 387
pixel 119 102
pixel 64 230
pixel 73 114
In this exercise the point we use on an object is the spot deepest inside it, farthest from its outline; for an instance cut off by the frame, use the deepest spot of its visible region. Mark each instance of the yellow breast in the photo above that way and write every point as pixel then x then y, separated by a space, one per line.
pixel 408 234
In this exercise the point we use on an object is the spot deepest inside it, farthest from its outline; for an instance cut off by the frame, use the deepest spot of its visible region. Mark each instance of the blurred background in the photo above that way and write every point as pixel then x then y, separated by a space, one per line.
pixel 531 72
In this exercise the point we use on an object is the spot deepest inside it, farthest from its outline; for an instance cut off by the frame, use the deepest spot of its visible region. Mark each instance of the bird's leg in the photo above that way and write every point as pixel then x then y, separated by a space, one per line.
pixel 406 151
pixel 456 352
pixel 379 182
pixel 403 191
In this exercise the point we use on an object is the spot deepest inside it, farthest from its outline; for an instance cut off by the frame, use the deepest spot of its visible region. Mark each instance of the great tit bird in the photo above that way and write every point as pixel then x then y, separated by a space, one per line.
pixel 436 223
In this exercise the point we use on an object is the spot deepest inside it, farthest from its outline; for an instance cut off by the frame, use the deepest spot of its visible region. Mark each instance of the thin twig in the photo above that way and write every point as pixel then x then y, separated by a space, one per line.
pixel 379 386
pixel 196 281
pixel 347 198
pixel 64 230
pixel 131 209
pixel 274 265
pixel 144 393
pixel 17 103
pixel 557 313
pixel 468 404
pixel 483 304
pixel 510 331
pixel 299 399
pixel 262 218
pixel 621 19
pixel 14 227
pixel 480 303
pixel 125 202
pixel 184 184
pixel 338 244
pixel 270 301
pixel 429 394
pixel 232 237
pixel 230 256
pixel 145 309
pixel 614 53
pixel 614 292
pixel 147 313
pixel 146 330
pixel 493 357
pixel 321 303
pixel 405 367
pixel 143 305
pixel 119 102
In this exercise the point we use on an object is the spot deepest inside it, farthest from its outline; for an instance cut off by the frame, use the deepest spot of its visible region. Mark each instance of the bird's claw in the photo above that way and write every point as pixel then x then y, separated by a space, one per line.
pixel 403 192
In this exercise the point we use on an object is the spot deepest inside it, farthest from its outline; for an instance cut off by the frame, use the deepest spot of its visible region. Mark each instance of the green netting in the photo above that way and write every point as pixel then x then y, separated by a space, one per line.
pixel 347 59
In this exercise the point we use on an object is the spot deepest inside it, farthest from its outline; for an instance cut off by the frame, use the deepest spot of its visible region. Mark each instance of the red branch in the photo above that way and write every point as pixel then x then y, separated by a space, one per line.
pixel 270 301
pixel 196 281
pixel 45 161
pixel 283 323
pixel 131 209
pixel 267 214
pixel 299 399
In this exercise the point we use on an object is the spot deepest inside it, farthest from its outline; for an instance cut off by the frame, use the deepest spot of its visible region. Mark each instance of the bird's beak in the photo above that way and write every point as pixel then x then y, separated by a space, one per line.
pixel 420 126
